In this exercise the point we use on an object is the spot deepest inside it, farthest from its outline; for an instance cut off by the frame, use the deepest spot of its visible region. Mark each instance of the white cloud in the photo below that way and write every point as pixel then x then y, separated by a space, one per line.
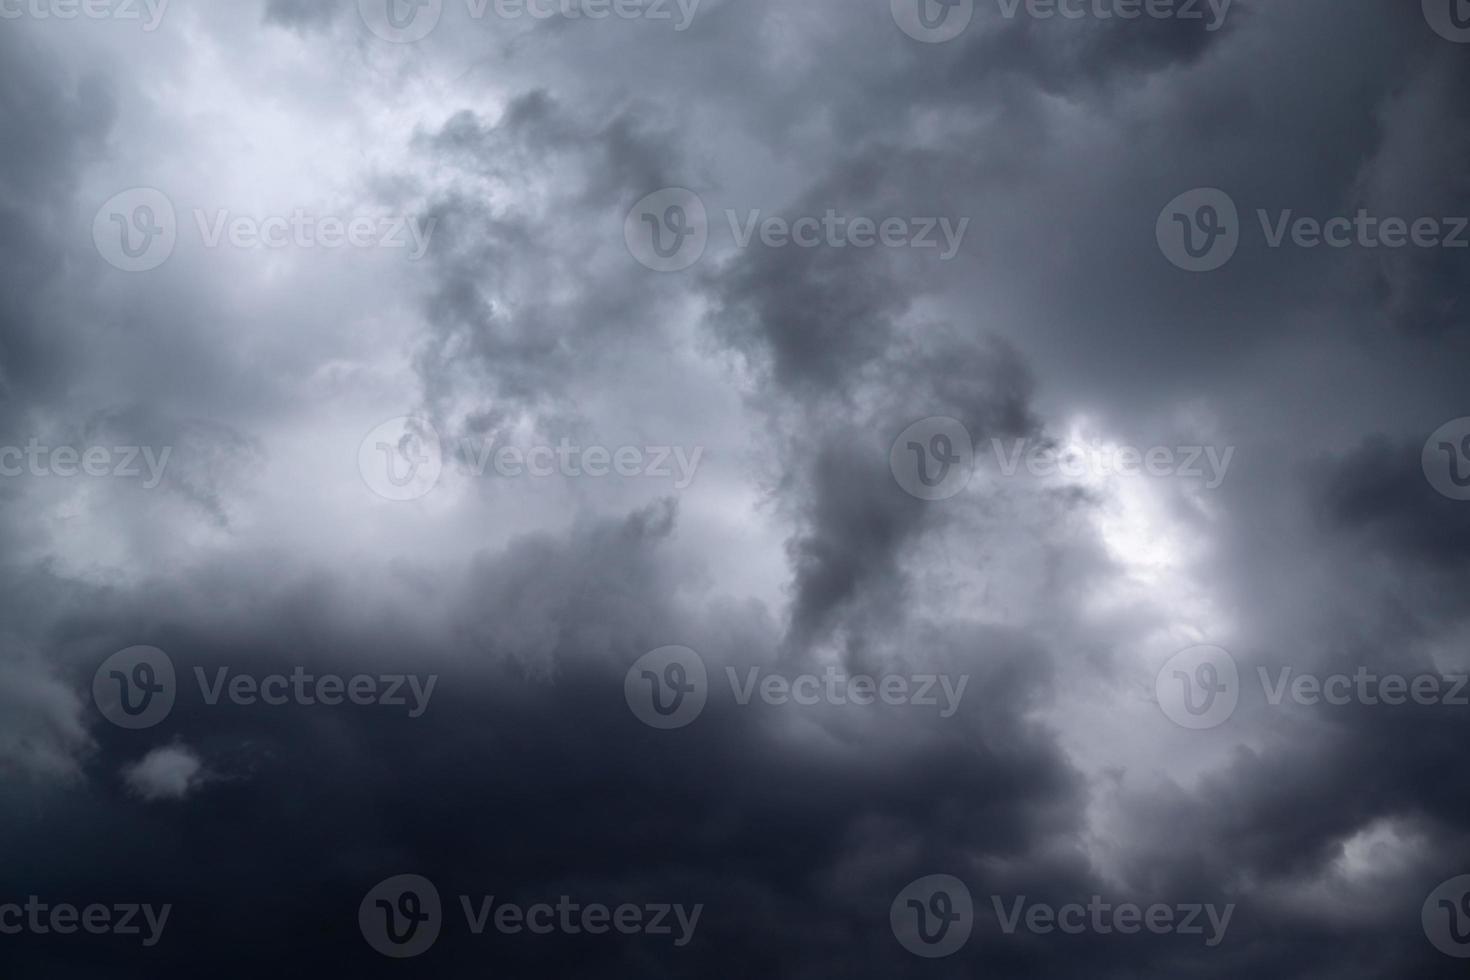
pixel 170 773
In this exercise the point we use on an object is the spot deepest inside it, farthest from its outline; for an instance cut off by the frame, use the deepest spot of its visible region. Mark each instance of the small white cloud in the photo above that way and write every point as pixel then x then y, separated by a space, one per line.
pixel 169 773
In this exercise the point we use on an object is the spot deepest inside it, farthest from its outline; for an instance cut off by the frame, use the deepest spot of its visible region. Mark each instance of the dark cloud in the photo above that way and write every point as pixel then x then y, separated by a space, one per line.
pixel 65 117
pixel 1378 494
pixel 267 546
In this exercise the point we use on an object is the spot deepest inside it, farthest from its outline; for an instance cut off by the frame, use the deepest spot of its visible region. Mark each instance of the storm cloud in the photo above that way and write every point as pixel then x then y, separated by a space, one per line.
pixel 808 480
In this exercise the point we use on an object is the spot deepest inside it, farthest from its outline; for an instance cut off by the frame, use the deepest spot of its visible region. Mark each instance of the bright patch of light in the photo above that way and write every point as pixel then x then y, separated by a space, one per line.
pixel 1153 548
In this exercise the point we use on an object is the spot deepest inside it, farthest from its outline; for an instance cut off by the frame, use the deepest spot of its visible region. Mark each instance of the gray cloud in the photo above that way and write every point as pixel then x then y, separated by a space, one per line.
pixel 264 551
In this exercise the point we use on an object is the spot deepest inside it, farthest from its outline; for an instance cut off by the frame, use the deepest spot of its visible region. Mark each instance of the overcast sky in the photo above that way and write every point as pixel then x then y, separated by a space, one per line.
pixel 753 455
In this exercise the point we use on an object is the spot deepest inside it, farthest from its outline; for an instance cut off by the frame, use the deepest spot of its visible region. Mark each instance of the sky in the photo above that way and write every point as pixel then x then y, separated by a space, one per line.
pixel 665 488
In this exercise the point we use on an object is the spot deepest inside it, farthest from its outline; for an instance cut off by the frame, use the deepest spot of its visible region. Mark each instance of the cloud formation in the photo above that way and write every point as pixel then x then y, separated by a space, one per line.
pixel 851 520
